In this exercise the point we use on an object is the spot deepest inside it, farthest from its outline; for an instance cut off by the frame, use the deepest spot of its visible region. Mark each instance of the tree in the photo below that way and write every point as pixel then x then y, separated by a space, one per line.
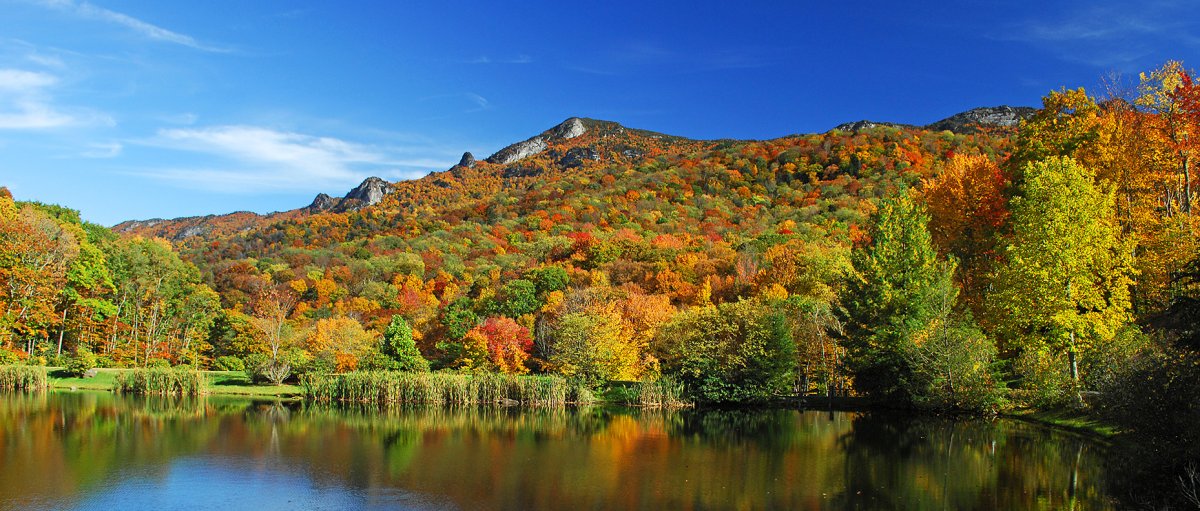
pixel 1169 93
pixel 967 206
pixel 1066 125
pixel 893 295
pixel 272 307
pixel 1065 283
pixel 340 339
pixel 399 346
pixel 595 347
pixel 518 298
pixel 508 344
pixel 732 352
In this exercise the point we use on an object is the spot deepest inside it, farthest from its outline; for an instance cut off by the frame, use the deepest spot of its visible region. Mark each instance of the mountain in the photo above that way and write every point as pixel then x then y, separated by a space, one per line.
pixel 575 147
pixel 971 121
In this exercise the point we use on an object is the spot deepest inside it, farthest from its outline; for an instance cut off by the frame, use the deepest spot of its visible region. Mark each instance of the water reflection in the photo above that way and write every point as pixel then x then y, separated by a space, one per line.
pixel 100 451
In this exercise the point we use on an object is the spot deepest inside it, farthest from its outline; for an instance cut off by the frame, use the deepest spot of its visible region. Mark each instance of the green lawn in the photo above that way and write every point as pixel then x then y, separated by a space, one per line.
pixel 231 383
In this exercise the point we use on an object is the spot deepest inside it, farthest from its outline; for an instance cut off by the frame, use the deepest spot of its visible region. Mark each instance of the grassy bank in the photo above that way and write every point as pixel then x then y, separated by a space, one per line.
pixel 217 383
pixel 1078 421
pixel 450 388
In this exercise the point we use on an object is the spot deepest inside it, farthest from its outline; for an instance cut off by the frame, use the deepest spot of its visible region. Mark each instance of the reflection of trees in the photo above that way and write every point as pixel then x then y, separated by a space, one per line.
pixel 943 464
pixel 558 458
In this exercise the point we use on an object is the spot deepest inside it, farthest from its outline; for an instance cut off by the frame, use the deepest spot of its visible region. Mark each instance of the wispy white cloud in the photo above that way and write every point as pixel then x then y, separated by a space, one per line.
pixel 103 150
pixel 519 59
pixel 26 103
pixel 483 102
pixel 1108 34
pixel 90 11
pixel 253 159
pixel 480 103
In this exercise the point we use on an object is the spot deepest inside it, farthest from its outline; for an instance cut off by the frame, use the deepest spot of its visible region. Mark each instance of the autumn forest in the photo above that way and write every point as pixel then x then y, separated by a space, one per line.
pixel 1051 264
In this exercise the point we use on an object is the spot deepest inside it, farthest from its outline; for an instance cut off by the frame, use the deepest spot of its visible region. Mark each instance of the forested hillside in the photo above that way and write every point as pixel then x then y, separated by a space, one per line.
pixel 959 269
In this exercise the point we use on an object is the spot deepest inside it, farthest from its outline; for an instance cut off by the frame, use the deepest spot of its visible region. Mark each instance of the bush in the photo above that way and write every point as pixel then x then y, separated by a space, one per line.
pixel 252 367
pixel 159 363
pixel 261 369
pixel 81 363
pixel 9 357
pixel 229 363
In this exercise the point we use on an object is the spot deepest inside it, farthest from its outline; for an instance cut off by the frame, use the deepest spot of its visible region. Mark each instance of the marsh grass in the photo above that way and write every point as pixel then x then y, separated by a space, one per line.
pixel 447 388
pixel 662 393
pixel 161 381
pixel 18 377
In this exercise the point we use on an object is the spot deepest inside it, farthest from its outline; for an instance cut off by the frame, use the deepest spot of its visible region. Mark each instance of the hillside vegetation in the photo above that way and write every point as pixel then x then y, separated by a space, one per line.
pixel 1025 258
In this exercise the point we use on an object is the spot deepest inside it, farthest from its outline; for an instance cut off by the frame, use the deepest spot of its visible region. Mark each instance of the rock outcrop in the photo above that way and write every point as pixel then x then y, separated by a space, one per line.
pixel 993 116
pixel 567 129
pixel 965 122
pixel 368 193
pixel 468 160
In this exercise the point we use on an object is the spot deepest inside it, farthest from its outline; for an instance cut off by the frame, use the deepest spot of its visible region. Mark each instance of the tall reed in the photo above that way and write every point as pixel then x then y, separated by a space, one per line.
pixel 17 377
pixel 161 381
pixel 448 388
pixel 662 393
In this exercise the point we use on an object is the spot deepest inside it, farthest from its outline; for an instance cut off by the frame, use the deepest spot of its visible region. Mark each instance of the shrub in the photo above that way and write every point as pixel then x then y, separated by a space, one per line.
pixel 229 363
pixel 9 357
pixel 261 369
pixel 159 363
pixel 81 363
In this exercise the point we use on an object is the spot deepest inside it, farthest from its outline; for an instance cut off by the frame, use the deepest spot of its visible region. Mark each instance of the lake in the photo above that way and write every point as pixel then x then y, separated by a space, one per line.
pixel 83 450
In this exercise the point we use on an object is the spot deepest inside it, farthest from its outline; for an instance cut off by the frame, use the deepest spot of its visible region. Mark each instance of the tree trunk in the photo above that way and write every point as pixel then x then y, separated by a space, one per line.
pixel 61 328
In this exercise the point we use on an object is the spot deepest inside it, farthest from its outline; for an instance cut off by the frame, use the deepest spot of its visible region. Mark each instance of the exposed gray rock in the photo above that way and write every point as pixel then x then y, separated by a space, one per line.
pixel 858 126
pixel 192 230
pixel 632 154
pixel 518 151
pixel 965 122
pixel 323 202
pixel 568 129
pixel 370 192
pixel 520 171
pixel 468 160
pixel 992 116
pixel 577 155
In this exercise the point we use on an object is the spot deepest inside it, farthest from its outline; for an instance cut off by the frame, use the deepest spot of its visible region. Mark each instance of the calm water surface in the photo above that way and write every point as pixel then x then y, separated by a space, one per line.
pixel 99 451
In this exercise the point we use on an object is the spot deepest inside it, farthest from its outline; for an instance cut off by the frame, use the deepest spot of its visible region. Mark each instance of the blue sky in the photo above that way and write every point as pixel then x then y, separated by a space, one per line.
pixel 132 110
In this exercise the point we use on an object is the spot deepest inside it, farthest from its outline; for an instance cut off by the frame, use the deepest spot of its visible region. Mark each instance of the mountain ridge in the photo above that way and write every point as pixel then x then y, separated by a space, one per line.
pixel 574 143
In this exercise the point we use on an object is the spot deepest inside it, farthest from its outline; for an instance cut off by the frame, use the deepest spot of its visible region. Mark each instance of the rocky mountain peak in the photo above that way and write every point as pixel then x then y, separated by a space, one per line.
pixel 964 122
pixel 371 191
pixel 468 160
pixel 568 129
pixel 565 130
pixel 323 202
pixel 990 116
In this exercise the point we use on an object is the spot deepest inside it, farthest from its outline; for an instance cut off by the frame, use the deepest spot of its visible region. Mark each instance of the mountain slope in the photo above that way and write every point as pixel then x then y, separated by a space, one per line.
pixel 576 143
